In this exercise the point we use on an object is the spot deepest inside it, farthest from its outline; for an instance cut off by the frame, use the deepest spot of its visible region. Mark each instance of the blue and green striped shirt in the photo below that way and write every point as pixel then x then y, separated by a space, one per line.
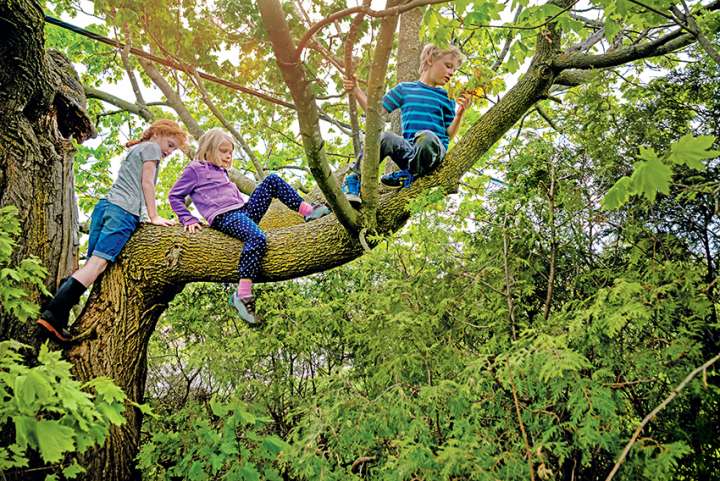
pixel 422 107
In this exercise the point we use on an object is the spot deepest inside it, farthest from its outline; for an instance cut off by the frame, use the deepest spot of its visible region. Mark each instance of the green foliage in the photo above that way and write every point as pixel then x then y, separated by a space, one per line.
pixel 222 440
pixel 653 174
pixel 50 413
pixel 16 279
pixel 412 361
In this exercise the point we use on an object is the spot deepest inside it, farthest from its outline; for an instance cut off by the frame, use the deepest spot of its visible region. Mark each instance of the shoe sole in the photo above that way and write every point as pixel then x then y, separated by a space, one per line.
pixel 48 327
pixel 354 200
pixel 243 312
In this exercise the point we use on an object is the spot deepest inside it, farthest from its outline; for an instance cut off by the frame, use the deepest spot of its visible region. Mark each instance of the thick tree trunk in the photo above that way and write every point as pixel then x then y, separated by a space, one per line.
pixel 42 105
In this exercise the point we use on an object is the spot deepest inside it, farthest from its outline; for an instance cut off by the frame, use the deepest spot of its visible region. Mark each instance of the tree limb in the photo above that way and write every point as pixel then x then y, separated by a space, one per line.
pixel 388 12
pixel 655 411
pixel 123 105
pixel 668 43
pixel 294 75
pixel 173 99
pixel 350 73
pixel 125 56
pixel 374 119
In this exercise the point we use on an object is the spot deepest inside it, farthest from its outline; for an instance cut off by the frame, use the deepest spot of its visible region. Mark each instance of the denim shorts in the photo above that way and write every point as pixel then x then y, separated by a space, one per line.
pixel 111 227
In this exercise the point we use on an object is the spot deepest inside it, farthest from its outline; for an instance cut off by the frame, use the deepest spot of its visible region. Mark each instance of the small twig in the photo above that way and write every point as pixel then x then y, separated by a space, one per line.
pixel 522 425
pixel 655 411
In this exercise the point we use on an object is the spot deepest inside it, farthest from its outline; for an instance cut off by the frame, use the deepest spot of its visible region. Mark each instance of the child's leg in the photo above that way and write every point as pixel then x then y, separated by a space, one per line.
pixel 92 269
pixel 240 226
pixel 110 229
pixel 428 152
pixel 274 187
pixel 397 148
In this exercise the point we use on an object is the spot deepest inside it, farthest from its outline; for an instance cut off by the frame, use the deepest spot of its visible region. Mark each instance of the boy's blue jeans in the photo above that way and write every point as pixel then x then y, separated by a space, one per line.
pixel 419 157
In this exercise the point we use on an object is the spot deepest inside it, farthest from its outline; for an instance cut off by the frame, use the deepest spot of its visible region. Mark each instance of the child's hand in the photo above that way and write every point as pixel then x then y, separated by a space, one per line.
pixel 464 101
pixel 349 84
pixel 193 228
pixel 157 220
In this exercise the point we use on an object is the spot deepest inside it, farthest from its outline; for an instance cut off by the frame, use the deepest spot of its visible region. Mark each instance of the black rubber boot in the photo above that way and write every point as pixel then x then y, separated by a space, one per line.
pixel 54 318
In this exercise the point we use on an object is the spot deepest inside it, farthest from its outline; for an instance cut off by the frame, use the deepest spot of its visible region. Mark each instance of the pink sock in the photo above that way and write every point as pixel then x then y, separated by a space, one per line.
pixel 245 288
pixel 305 209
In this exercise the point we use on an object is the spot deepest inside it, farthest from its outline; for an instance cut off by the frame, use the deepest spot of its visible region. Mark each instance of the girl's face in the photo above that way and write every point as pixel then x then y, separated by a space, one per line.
pixel 224 154
pixel 168 144
pixel 442 69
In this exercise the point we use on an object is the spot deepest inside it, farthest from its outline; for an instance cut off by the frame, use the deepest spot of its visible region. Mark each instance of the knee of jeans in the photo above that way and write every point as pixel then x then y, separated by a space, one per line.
pixel 273 178
pixel 389 139
pixel 426 138
pixel 257 242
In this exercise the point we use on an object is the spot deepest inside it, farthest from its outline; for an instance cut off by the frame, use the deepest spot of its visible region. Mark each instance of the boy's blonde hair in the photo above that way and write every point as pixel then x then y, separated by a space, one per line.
pixel 431 52
pixel 163 127
pixel 209 144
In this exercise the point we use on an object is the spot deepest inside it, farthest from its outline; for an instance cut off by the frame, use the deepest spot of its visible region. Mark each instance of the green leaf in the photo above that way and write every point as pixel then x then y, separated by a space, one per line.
pixel 691 151
pixel 112 412
pixel 73 470
pixel 25 431
pixel 651 177
pixel 617 195
pixel 54 440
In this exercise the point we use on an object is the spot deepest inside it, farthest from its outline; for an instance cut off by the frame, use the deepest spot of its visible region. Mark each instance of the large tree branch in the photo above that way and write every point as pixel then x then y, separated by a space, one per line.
pixel 173 99
pixel 294 75
pixel 374 120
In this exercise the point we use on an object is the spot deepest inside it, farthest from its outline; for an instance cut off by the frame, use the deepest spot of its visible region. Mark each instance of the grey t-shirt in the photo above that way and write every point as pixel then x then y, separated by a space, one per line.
pixel 126 192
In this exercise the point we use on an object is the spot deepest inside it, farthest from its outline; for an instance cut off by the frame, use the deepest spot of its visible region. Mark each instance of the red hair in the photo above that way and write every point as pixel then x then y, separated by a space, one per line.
pixel 162 127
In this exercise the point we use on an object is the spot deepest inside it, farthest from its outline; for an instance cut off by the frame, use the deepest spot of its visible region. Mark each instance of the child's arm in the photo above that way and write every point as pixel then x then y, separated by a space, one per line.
pixel 182 188
pixel 351 86
pixel 148 187
pixel 463 103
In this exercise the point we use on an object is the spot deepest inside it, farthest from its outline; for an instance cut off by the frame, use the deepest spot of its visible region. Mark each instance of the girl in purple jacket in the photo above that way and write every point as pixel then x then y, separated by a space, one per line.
pixel 219 201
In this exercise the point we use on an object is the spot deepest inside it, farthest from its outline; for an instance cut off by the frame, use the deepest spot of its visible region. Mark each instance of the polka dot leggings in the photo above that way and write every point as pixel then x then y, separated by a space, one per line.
pixel 243 223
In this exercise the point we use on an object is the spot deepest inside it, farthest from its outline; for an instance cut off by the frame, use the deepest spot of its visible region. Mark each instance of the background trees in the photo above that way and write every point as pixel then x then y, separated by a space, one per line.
pixel 514 332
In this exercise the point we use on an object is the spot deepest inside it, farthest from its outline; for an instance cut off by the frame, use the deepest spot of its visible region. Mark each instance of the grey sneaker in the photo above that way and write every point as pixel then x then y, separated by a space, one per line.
pixel 319 210
pixel 246 309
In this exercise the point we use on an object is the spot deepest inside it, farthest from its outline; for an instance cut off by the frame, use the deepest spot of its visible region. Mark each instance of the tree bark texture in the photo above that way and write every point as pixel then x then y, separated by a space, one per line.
pixel 42 104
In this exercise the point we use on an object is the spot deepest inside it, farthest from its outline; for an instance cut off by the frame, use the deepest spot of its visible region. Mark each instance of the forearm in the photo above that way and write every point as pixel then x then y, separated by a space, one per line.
pixel 361 97
pixel 177 204
pixel 148 189
pixel 455 125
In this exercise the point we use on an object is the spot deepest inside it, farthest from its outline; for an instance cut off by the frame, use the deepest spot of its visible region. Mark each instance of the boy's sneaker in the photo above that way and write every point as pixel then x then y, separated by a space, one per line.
pixel 400 178
pixel 351 188
pixel 246 309
pixel 319 210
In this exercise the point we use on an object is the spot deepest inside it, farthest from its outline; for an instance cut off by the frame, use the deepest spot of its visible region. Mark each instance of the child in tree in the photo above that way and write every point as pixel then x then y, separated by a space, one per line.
pixel 219 201
pixel 115 218
pixel 429 120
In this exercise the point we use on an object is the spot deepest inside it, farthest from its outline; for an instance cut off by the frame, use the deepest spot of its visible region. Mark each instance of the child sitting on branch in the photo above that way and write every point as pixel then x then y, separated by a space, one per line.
pixel 219 201
pixel 429 120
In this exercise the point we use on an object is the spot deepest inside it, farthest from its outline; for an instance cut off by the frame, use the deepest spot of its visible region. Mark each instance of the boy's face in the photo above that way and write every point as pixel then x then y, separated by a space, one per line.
pixel 167 144
pixel 442 69
pixel 224 153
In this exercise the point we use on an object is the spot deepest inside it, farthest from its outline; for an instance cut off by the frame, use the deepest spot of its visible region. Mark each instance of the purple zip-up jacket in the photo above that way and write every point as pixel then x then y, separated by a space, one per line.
pixel 210 189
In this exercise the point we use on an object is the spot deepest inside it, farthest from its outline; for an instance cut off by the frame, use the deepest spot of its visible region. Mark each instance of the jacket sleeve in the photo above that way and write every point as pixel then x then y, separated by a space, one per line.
pixel 183 187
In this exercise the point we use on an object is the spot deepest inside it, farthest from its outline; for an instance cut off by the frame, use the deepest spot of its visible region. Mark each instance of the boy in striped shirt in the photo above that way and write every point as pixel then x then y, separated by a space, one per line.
pixel 429 120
